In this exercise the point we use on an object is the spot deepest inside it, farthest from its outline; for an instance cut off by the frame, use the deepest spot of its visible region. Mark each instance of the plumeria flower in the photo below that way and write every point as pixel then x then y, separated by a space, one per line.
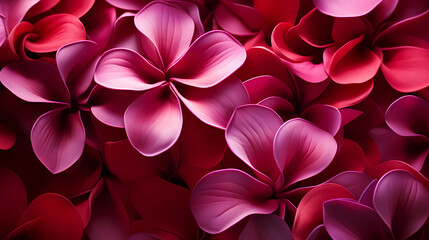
pixel 280 154
pixel 57 136
pixel 169 67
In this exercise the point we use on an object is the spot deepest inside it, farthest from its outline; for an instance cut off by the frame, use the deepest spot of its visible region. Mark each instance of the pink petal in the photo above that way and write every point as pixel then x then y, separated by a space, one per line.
pixel 309 213
pixel 153 121
pixel 355 182
pixel 214 56
pixel 407 116
pixel 345 219
pixel 58 139
pixel 124 33
pixel 41 7
pixel 14 11
pixel 215 105
pixel 343 8
pixel 367 197
pixel 54 31
pixel 319 233
pixel 402 63
pixel 3 30
pixel 302 150
pixel 34 81
pixel 7 137
pixel 77 8
pixel 351 64
pixel 401 201
pixel 266 227
pixel 265 86
pixel 169 27
pixel 76 64
pixel 281 106
pixel 325 117
pixel 309 71
pixel 223 198
pixel 124 69
pixel 250 135
pixel 134 5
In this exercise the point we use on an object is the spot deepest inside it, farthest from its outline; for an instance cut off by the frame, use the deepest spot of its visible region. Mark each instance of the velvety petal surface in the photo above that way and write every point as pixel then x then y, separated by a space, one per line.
pixel 214 56
pixel 14 11
pixel 325 117
pixel 266 227
pixel 401 201
pixel 58 139
pixel 302 150
pixel 343 8
pixel 153 121
pixel 223 198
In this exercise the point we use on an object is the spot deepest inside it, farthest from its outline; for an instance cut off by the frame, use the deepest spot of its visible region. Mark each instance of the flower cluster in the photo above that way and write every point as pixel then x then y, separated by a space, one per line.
pixel 216 119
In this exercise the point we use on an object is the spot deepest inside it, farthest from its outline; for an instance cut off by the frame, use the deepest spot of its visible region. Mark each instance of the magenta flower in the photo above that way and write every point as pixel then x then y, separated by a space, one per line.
pixel 168 68
pixel 58 136
pixel 280 154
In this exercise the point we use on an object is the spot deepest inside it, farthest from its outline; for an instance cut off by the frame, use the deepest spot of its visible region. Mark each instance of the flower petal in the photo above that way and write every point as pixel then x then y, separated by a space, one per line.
pixel 364 223
pixel 223 198
pixel 214 56
pixel 250 135
pixel 325 117
pixel 302 150
pixel 401 201
pixel 34 81
pixel 319 233
pixel 344 8
pixel 266 227
pixel 54 31
pixel 14 11
pixel 124 69
pixel 7 137
pixel 58 139
pixel 153 121
pixel 215 105
pixel 169 28
pixel 262 87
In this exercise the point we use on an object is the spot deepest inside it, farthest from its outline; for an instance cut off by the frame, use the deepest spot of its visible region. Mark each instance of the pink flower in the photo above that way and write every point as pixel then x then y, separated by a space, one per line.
pixel 279 154
pixel 161 69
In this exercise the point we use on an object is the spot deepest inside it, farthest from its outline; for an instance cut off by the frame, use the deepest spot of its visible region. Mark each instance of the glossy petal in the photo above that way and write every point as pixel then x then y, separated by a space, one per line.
pixel 216 104
pixel 77 8
pixel 3 30
pixel 325 117
pixel 214 56
pixel 343 8
pixel 125 69
pixel 14 11
pixel 401 201
pixel 223 198
pixel 169 28
pixel 266 227
pixel 250 135
pixel 153 121
pixel 58 139
pixel 265 86
pixel 128 4
pixel 365 223
pixel 302 150
pixel 34 82
pixel 319 233
pixel 54 31
pixel 406 63
pixel 355 182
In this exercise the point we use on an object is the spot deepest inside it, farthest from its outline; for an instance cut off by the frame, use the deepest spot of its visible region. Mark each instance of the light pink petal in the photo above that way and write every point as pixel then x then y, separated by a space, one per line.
pixel 76 64
pixel 266 227
pixel 34 81
pixel 109 106
pixel 409 116
pixel 124 69
pixel 250 135
pixel 262 87
pixel 302 150
pixel 402 202
pixel 3 30
pixel 345 219
pixel 153 121
pixel 216 104
pixel 54 31
pixel 169 27
pixel 344 8
pixel 213 57
pixel 325 117
pixel 403 63
pixel 192 10
pixel 309 213
pixel 14 11
pixel 223 198
pixel 58 139
pixel 353 63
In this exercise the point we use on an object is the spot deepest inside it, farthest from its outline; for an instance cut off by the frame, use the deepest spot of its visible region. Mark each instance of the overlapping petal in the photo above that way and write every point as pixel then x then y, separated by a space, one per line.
pixel 343 8
pixel 266 227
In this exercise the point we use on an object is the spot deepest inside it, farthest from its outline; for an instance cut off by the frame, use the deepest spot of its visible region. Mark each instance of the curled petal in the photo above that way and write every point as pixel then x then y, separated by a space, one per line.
pixel 77 8
pixel 223 198
pixel 213 57
pixel 344 8
pixel 325 117
pixel 54 31
pixel 364 223
pixel 124 69
pixel 250 135
pixel 14 11
pixel 153 121
pixel 266 227
pixel 58 139
pixel 401 201
pixel 302 150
